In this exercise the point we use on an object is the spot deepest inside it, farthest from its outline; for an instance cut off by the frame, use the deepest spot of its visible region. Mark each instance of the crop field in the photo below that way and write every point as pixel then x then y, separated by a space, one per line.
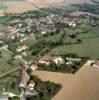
pixel 80 82
pixel 19 6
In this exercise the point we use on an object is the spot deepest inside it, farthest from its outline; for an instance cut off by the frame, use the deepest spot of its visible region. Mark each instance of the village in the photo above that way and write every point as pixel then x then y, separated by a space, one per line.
pixel 36 41
pixel 33 27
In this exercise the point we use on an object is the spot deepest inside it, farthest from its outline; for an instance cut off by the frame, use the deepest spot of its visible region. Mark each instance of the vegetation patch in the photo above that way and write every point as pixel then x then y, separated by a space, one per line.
pixel 67 67
pixel 46 90
pixel 3 7
pixel 92 8
pixel 88 48
pixel 10 83
pixel 4 57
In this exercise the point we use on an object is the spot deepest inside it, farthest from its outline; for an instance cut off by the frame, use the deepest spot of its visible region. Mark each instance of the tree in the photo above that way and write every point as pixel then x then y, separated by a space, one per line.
pixel 0 54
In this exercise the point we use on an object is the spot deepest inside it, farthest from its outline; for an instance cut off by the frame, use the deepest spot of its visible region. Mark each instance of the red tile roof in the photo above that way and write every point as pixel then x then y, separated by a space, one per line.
pixel 97 63
pixel 47 58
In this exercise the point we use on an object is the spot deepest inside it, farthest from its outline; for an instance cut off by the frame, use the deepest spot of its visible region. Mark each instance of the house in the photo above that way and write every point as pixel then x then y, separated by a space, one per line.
pixel 18 57
pixel 23 39
pixel 73 59
pixel 43 32
pixel 47 59
pixel 69 22
pixel 12 37
pixel 15 21
pixel 33 67
pixel 95 64
pixel 69 63
pixel 31 85
pixel 46 30
pixel 13 30
pixel 22 35
pixel 21 48
pixel 2 13
pixel 24 54
pixel 58 60
pixel 26 85
pixel 20 24
pixel 30 91
pixel 1 34
pixel 1 42
pixel 24 79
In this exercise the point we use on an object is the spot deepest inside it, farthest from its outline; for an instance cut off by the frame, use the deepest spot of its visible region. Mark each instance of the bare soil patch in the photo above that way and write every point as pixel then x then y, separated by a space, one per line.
pixel 84 85
pixel 22 6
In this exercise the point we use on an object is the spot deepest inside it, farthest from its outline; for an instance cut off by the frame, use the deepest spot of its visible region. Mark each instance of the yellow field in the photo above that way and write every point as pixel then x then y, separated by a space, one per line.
pixel 22 6
pixel 84 85
pixel 18 7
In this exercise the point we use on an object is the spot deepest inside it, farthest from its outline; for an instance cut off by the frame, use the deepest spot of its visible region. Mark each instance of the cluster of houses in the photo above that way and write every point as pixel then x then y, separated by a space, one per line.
pixel 26 85
pixel 15 33
pixel 47 59
pixel 41 25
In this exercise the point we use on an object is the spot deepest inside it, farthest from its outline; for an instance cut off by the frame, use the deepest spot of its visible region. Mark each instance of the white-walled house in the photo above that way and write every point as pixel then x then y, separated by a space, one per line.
pixel 95 64
pixel 47 59
pixel 58 60
pixel 33 67
pixel 21 48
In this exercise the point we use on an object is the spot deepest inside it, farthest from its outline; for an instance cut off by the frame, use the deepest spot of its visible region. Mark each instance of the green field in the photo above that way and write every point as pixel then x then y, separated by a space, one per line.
pixel 88 31
pixel 64 44
pixel 4 66
pixel 6 83
pixel 89 48
pixel 30 41
pixel 3 7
